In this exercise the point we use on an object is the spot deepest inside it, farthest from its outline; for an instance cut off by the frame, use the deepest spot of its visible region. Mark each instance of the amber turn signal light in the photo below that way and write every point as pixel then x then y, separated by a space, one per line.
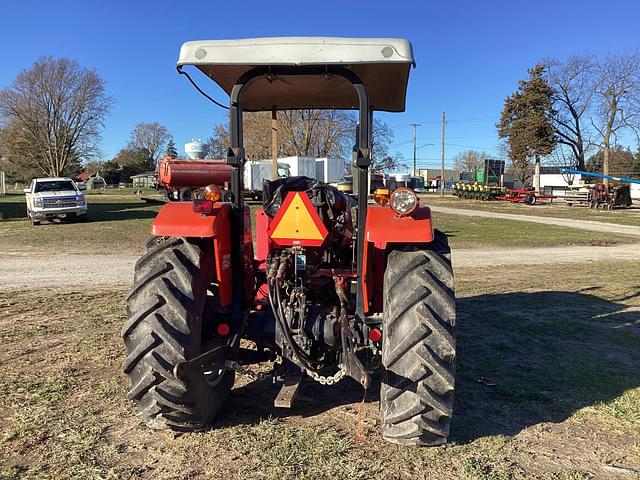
pixel 212 192
pixel 381 196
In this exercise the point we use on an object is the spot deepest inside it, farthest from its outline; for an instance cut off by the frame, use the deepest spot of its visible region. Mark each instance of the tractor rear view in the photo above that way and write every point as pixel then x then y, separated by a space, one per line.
pixel 338 286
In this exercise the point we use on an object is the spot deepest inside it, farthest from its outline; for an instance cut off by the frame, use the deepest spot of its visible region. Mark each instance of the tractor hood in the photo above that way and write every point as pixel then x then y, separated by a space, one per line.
pixel 382 64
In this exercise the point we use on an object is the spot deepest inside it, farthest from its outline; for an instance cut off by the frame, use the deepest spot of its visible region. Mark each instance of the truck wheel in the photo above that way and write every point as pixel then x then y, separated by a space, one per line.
pixel 165 312
pixel 419 345
pixel 30 216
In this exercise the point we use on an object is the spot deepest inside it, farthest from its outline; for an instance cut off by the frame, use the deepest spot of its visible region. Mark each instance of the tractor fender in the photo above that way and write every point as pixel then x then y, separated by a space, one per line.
pixel 383 225
pixel 177 219
pixel 382 228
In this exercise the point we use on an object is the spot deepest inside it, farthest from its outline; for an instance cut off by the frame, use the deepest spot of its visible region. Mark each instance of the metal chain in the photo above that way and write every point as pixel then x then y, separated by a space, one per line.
pixel 321 379
pixel 335 378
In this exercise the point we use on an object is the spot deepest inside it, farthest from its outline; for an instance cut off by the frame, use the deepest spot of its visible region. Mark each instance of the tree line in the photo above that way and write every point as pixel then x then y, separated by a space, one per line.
pixel 574 113
pixel 53 114
pixel 308 132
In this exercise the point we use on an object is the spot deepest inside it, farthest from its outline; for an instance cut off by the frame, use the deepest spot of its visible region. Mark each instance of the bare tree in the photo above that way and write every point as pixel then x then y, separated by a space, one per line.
pixel 151 137
pixel 53 114
pixel 573 84
pixel 381 138
pixel 470 161
pixel 218 142
pixel 617 94
pixel 563 157
pixel 390 163
pixel 301 132
pixel 318 133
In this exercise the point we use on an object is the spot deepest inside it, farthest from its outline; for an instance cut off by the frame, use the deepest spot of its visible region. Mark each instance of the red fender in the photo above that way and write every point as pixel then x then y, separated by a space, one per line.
pixel 384 227
pixel 177 219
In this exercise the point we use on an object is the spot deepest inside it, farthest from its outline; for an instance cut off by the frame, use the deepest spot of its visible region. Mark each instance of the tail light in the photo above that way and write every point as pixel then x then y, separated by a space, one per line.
pixel 211 194
pixel 204 207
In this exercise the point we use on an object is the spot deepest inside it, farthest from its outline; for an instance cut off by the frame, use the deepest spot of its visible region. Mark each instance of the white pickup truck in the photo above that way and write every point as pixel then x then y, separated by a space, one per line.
pixel 49 198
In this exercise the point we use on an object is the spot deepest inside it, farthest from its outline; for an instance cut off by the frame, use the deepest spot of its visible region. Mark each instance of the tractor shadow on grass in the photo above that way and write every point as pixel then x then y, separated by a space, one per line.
pixel 549 353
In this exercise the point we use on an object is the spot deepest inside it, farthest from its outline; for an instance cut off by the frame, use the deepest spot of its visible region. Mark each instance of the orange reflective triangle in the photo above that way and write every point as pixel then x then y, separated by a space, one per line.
pixel 297 222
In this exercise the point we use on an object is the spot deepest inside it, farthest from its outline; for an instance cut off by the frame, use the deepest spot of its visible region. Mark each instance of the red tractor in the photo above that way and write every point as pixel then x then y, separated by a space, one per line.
pixel 339 286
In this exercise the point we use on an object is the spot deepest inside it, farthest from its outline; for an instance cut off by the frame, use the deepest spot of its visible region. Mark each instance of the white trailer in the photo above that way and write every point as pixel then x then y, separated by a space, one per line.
pixel 256 171
pixel 301 166
pixel 330 170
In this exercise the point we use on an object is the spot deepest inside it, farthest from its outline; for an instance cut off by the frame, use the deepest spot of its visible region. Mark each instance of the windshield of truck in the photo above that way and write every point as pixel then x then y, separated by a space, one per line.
pixel 417 183
pixel 283 172
pixel 54 186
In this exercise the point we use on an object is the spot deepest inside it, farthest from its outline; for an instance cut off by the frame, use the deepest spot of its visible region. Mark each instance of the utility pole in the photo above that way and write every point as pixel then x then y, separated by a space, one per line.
pixel 442 165
pixel 274 143
pixel 415 169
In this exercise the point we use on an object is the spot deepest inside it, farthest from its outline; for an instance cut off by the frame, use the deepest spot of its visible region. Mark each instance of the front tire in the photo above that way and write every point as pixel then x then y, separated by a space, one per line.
pixel 164 327
pixel 419 345
pixel 33 221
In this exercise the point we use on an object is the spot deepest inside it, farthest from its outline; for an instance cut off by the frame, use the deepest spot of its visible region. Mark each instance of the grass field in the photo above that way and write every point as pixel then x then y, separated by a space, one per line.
pixel 557 209
pixel 566 361
pixel 122 222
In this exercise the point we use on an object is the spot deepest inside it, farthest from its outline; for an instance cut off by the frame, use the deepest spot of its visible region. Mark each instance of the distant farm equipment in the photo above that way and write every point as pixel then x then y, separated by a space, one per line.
pixel 600 195
pixel 475 191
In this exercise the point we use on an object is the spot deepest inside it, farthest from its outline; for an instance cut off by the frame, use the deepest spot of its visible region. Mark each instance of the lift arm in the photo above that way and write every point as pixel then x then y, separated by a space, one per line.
pixel 599 175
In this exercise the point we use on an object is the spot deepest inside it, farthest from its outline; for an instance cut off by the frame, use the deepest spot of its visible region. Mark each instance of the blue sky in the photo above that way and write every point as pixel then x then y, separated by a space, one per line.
pixel 470 54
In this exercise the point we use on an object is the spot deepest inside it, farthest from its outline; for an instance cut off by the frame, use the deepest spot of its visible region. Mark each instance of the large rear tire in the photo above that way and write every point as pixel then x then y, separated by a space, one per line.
pixel 165 326
pixel 419 345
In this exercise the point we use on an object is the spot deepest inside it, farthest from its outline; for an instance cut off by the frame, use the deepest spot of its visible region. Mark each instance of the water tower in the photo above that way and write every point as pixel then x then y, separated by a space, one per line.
pixel 195 149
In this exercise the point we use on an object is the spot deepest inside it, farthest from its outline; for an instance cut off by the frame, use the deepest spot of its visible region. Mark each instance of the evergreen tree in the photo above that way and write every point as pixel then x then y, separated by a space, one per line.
pixel 171 149
pixel 526 123
pixel 621 161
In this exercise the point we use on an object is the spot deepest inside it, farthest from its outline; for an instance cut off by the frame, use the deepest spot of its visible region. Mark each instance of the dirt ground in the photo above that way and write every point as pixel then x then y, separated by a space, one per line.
pixel 33 268
pixel 566 404
pixel 556 327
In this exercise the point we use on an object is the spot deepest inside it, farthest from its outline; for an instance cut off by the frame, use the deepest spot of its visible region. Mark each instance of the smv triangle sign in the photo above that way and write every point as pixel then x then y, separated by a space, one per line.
pixel 297 223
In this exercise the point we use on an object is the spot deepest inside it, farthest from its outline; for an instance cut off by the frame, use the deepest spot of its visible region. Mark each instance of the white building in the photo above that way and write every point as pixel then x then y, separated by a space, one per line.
pixel 552 182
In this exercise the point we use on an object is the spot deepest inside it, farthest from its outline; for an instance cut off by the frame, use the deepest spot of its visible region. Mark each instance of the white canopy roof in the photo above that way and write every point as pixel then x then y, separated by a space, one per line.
pixel 382 64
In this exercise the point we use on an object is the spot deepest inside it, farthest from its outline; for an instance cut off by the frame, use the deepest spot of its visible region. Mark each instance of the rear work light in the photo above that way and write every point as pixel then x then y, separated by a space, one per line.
pixel 404 201
pixel 204 207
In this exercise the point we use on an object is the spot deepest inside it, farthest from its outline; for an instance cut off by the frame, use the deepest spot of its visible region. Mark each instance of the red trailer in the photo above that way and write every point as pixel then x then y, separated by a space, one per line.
pixel 528 196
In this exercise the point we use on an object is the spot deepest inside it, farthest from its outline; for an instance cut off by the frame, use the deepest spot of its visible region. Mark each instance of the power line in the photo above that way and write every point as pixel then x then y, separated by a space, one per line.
pixel 472 146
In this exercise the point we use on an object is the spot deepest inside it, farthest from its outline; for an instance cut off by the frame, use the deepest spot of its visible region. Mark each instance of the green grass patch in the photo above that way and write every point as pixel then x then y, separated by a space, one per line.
pixel 122 223
pixel 470 232
pixel 115 223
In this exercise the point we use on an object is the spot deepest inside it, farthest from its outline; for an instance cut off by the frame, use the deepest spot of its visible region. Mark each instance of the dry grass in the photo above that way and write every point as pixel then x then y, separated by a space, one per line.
pixel 565 357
